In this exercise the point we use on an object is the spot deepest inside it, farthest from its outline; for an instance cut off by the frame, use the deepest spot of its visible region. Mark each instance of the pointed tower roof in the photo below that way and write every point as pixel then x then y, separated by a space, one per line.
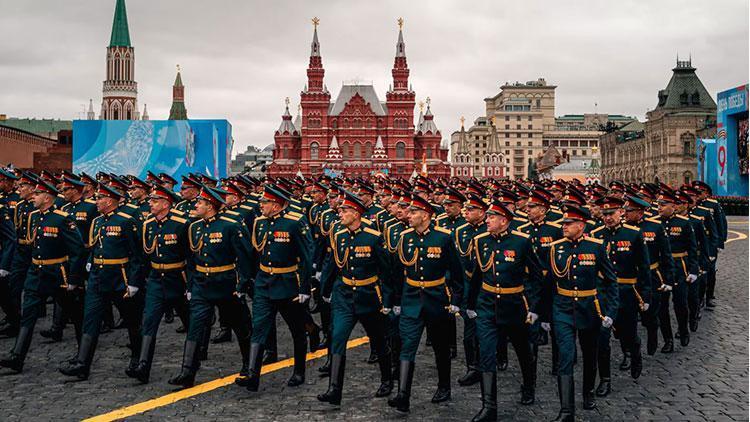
pixel 333 150
pixel 315 45
pixel 463 144
pixel 420 120
pixel 178 79
pixel 429 123
pixel 178 110
pixel 298 119
pixel 400 45
pixel 120 32
pixel 379 151
pixel 685 89
pixel 286 122
pixel 494 145
pixel 144 116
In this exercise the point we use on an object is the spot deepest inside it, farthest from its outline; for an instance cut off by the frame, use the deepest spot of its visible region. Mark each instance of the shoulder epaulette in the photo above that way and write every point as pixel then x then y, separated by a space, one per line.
pixel 705 208
pixel 442 230
pixel 339 232
pixel 149 220
pixel 90 201
pixel 681 217
pixel 441 216
pixel 564 239
pixel 597 229
pixel 178 219
pixel 628 226
pixel 366 220
pixel 176 211
pixel 479 236
pixel 131 206
pixel 409 230
pixel 230 212
pixel 553 224
pixel 697 217
pixel 593 239
pixel 523 225
pixel 372 231
pixel 245 207
pixel 122 214
pixel 712 200
pixel 558 221
pixel 461 226
pixel 654 220
pixel 60 212
pixel 293 216
pixel 227 219
pixel 251 200
pixel 522 234
pixel 519 219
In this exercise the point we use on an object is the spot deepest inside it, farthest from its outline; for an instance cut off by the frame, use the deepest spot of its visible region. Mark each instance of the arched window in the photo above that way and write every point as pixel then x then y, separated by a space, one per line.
pixel 126 62
pixel 687 144
pixel 314 151
pixel 117 67
pixel 429 152
pixel 687 177
pixel 285 152
pixel 400 150
pixel 368 150
pixel 357 151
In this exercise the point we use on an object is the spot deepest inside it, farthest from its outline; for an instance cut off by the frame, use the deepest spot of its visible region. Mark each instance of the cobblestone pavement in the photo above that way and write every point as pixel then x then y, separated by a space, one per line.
pixel 706 381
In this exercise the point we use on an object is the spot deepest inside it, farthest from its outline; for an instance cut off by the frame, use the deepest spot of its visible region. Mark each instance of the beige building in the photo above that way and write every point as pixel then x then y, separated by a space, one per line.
pixel 663 148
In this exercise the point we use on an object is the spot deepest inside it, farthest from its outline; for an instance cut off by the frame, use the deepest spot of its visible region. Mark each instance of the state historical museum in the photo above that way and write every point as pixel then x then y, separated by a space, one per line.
pixel 358 135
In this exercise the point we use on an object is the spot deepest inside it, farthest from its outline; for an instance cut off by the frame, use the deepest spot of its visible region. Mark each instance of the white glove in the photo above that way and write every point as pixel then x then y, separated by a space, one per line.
pixel 239 295
pixel 317 275
pixel 471 314
pixel 691 278
pixel 397 310
pixel 132 290
pixel 712 258
pixel 665 288
pixel 607 322
pixel 303 298
pixel 188 295
pixel 70 287
pixel 386 311
pixel 88 267
pixel 314 265
pixel 4 273
pixel 546 326
pixel 644 308
pixel 531 317
pixel 453 309
pixel 326 299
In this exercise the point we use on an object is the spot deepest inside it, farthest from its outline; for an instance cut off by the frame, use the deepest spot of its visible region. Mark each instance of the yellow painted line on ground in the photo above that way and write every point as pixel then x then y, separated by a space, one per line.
pixel 740 236
pixel 168 399
pixel 738 223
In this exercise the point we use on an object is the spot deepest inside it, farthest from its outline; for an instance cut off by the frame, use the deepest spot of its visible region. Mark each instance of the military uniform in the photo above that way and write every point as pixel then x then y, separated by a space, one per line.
pixel 57 262
pixel 713 241
pixel 720 220
pixel 705 244
pixel 8 293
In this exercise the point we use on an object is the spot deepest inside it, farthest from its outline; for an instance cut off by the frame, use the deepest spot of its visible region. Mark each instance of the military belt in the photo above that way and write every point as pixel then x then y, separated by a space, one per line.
pixel 24 242
pixel 679 255
pixel 49 261
pixel 168 266
pixel 622 280
pixel 422 284
pixel 114 261
pixel 502 290
pixel 278 270
pixel 654 266
pixel 214 270
pixel 575 293
pixel 359 283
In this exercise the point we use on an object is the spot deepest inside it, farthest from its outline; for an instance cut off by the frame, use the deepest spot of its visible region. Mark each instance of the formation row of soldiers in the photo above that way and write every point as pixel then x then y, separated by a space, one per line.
pixel 518 262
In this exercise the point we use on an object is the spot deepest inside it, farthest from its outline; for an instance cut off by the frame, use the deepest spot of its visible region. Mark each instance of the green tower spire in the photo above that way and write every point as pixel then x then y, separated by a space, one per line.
pixel 120 33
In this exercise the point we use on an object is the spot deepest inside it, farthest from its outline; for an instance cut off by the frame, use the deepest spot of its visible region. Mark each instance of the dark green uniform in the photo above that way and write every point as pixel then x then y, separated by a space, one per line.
pixel 58 256
pixel 705 242
pixel 720 219
pixel 683 244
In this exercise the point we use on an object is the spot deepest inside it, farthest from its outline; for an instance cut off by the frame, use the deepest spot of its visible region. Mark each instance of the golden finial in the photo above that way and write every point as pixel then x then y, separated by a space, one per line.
pixel 286 101
pixel 400 23
pixel 462 121
pixel 427 100
pixel 421 106
pixel 316 22
pixel 178 68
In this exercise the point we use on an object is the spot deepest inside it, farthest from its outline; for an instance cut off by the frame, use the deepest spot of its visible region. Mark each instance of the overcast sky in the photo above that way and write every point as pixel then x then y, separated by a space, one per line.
pixel 240 59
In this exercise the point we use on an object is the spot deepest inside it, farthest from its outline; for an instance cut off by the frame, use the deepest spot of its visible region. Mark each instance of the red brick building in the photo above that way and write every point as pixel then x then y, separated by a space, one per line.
pixel 357 134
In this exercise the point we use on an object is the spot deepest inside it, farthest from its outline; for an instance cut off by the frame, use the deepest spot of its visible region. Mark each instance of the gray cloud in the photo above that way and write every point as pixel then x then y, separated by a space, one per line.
pixel 240 59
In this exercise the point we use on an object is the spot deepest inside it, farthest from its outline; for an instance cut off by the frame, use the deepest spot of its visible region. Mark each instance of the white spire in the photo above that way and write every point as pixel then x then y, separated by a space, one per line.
pixel 90 114
pixel 145 112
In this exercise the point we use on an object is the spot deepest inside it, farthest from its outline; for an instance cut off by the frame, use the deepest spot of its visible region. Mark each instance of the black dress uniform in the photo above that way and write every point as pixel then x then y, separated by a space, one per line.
pixel 713 241
pixel 425 259
pixel 720 220
pixel 704 244
pixel 8 201
pixel 166 249
pixel 57 259
pixel 583 293
pixel 505 289
pixel 116 263
pixel 357 294
pixel 452 223
pixel 683 244
pixel 221 267
pixel 282 245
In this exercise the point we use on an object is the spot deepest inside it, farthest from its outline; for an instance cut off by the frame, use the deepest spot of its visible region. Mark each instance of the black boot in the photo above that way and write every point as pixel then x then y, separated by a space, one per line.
pixel 142 371
pixel 488 385
pixel 637 365
pixel 386 379
pixel 684 339
pixel 335 382
pixel 694 323
pixel 186 377
pixel 325 370
pixel 373 357
pixel 502 357
pixel 443 392
pixel 16 357
pixel 565 389
pixel 270 356
pixel 406 375
pixel 604 388
pixel 625 364
pixel 300 355
pixel 314 336
pixel 254 364
pixel 223 336
pixel 81 366
pixel 589 403
pixel 652 340
pixel 244 342
pixel 169 316
pixel 710 305
pixel 472 375
pixel 668 346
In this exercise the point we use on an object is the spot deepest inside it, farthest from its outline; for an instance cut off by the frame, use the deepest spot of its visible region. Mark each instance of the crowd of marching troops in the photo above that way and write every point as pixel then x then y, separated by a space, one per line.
pixel 524 263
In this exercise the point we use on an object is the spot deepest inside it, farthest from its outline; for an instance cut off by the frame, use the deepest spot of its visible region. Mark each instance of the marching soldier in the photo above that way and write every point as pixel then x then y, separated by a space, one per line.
pixel 683 244
pixel 705 200
pixel 189 193
pixel 357 295
pixel 660 257
pixel 166 248
pixel 464 237
pixel 115 268
pixel 629 256
pixel 138 192
pixel 282 243
pixel 583 295
pixel 320 244
pixel 8 201
pixel 57 263
pixel 427 254
pixel 504 290
pixel 221 265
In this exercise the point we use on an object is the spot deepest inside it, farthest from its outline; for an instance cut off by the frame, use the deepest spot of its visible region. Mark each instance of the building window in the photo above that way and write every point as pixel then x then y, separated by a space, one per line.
pixel 518 144
pixel 518 135
pixel 314 151
pixel 531 135
pixel 285 152
pixel 357 151
pixel 687 144
pixel 538 103
pixel 529 118
pixel 545 142
pixel 400 150
pixel 507 135
pixel 368 150
pixel 530 126
pixel 518 127
pixel 507 118
pixel 476 160
pixel 518 118
pixel 429 152
pixel 530 152
pixel 687 177
pixel 507 126
pixel 583 152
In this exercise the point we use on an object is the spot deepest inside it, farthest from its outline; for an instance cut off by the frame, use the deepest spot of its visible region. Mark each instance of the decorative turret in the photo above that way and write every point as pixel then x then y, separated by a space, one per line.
pixel 120 91
pixel 178 111
pixel 286 127
pixel 145 116
pixel 90 114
